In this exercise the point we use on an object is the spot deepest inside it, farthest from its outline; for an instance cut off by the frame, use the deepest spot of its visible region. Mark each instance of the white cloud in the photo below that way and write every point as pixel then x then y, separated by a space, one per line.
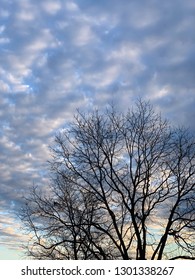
pixel 84 35
pixel 57 56
pixel 71 6
pixel 102 78
pixel 11 237
pixel 27 12
pixel 4 87
pixel 51 7
pixel 2 28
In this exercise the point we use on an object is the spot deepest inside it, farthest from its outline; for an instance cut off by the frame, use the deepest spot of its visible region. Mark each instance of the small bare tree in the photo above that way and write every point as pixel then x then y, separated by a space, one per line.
pixel 123 187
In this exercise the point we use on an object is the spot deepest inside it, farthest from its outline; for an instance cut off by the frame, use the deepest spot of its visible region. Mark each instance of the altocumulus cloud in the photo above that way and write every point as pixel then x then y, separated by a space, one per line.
pixel 56 56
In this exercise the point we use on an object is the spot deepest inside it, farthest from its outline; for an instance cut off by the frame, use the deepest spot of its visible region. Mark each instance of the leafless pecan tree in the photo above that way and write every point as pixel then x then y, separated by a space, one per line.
pixel 123 187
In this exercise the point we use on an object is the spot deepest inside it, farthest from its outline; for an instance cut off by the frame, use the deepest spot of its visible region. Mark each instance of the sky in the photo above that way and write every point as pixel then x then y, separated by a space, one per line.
pixel 60 55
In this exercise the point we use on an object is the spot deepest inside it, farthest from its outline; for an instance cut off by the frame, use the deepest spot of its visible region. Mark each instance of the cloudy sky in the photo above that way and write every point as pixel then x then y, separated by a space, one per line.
pixel 59 55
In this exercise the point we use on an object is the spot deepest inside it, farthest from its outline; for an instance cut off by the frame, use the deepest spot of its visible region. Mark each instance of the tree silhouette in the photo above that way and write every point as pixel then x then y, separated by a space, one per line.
pixel 122 187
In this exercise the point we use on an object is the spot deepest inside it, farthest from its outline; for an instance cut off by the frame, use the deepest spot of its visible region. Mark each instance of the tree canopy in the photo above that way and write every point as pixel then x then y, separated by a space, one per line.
pixel 122 187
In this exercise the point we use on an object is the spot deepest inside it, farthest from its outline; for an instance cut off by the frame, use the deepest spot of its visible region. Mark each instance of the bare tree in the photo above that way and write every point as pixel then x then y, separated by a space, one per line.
pixel 122 188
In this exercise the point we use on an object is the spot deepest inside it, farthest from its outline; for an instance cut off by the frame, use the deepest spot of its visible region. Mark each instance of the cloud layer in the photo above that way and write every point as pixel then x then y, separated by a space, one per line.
pixel 56 56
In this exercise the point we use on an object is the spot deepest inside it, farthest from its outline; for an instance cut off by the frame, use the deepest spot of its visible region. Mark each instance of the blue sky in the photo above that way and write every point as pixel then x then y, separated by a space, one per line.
pixel 59 55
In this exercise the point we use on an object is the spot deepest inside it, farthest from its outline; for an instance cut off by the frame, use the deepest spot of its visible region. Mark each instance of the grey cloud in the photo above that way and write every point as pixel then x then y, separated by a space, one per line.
pixel 62 55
